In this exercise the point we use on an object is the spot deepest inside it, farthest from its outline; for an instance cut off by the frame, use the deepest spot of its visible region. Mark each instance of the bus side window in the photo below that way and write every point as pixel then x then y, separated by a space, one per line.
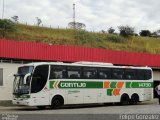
pixel 57 72
pixel 104 73
pixel 53 75
pixel 117 73
pixel 130 74
pixel 73 72
pixel 89 73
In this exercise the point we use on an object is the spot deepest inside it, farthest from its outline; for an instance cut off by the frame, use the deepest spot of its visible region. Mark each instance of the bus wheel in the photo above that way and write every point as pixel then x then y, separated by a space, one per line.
pixel 41 107
pixel 134 99
pixel 124 99
pixel 57 102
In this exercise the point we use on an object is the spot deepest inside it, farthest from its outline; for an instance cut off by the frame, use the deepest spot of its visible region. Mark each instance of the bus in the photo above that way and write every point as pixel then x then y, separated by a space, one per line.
pixel 56 84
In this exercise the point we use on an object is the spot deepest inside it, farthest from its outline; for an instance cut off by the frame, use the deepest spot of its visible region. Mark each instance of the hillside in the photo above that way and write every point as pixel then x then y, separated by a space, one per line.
pixel 86 39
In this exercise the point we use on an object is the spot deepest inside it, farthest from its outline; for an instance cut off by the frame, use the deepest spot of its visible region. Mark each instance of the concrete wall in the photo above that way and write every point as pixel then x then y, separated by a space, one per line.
pixel 156 75
pixel 9 69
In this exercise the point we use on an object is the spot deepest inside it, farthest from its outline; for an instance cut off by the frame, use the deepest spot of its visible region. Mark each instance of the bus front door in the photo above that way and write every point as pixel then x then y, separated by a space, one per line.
pixel 39 86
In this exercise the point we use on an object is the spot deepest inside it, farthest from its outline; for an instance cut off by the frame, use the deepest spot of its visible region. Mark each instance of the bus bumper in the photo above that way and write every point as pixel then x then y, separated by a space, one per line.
pixel 21 102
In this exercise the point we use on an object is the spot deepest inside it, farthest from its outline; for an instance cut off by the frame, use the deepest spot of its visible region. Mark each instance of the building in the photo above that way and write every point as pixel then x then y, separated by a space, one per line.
pixel 14 53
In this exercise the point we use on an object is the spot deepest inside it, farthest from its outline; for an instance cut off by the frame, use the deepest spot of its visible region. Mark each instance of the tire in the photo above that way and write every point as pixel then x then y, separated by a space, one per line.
pixel 57 102
pixel 134 99
pixel 41 107
pixel 124 99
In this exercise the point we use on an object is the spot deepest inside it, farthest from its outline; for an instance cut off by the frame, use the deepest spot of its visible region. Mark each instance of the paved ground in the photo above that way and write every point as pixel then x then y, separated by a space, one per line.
pixel 149 107
pixel 143 111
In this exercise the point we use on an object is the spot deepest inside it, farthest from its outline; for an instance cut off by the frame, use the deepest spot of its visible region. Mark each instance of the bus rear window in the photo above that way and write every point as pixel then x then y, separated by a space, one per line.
pixel 148 74
pixel 141 74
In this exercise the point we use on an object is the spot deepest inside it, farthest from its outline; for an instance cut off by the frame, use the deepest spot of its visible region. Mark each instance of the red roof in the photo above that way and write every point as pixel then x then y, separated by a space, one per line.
pixel 40 51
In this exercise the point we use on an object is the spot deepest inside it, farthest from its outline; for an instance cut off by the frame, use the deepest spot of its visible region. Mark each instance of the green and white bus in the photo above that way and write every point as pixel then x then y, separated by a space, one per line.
pixel 56 84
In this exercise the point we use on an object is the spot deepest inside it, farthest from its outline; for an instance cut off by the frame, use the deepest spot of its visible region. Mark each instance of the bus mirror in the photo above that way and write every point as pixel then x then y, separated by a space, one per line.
pixel 15 75
pixel 25 77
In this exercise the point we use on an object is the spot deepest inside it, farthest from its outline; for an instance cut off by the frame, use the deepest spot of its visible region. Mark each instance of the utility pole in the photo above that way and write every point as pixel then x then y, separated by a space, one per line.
pixel 3 10
pixel 76 25
pixel 74 16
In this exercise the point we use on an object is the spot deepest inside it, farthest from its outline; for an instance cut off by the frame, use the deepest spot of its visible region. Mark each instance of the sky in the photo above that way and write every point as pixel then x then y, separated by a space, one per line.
pixel 97 15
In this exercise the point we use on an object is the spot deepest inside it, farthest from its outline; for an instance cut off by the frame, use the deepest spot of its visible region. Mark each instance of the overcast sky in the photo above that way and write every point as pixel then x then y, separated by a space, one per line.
pixel 95 14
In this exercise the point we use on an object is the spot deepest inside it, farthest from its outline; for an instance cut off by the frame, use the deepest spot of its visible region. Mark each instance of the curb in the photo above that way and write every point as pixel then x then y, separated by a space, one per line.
pixel 6 103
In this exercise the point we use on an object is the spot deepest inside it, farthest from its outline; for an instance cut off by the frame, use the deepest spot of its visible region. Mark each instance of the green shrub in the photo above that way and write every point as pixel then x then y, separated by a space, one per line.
pixel 6 26
pixel 115 38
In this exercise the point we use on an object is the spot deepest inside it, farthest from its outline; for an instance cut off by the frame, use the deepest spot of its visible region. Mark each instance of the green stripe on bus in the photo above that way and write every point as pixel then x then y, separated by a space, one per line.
pixel 113 84
pixel 77 84
pixel 128 84
pixel 139 84
pixel 80 84
pixel 51 84
pixel 109 92
pixel 95 84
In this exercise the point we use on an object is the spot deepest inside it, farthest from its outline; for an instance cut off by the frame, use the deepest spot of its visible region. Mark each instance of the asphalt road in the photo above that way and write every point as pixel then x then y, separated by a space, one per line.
pixel 83 111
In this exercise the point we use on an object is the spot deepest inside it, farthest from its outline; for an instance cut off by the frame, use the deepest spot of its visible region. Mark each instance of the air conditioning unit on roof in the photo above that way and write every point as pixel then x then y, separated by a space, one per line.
pixel 92 63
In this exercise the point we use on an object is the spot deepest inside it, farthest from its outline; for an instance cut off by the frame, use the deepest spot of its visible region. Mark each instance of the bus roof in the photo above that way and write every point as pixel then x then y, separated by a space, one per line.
pixel 89 64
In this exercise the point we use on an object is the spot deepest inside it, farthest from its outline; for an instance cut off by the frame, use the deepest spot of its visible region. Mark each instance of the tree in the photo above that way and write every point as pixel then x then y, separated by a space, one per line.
pixel 126 31
pixel 145 33
pixel 102 31
pixel 39 21
pixel 157 32
pixel 15 19
pixel 111 30
pixel 6 25
pixel 154 34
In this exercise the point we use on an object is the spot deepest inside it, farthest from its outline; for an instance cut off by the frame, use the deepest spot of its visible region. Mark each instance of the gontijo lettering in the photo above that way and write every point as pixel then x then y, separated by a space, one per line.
pixel 75 85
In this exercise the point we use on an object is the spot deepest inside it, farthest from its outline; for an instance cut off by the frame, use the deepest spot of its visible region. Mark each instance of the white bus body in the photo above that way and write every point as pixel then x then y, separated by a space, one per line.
pixel 56 84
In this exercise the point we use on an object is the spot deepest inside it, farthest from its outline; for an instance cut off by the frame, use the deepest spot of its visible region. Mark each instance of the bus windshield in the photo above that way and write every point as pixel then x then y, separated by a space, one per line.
pixel 19 87
pixel 24 70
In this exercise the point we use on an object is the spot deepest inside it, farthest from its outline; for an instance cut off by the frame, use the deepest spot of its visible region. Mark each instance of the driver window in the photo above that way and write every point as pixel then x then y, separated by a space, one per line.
pixel 39 78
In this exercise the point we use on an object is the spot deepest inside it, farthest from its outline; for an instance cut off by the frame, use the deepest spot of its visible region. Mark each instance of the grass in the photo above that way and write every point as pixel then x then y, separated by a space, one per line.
pixel 87 39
